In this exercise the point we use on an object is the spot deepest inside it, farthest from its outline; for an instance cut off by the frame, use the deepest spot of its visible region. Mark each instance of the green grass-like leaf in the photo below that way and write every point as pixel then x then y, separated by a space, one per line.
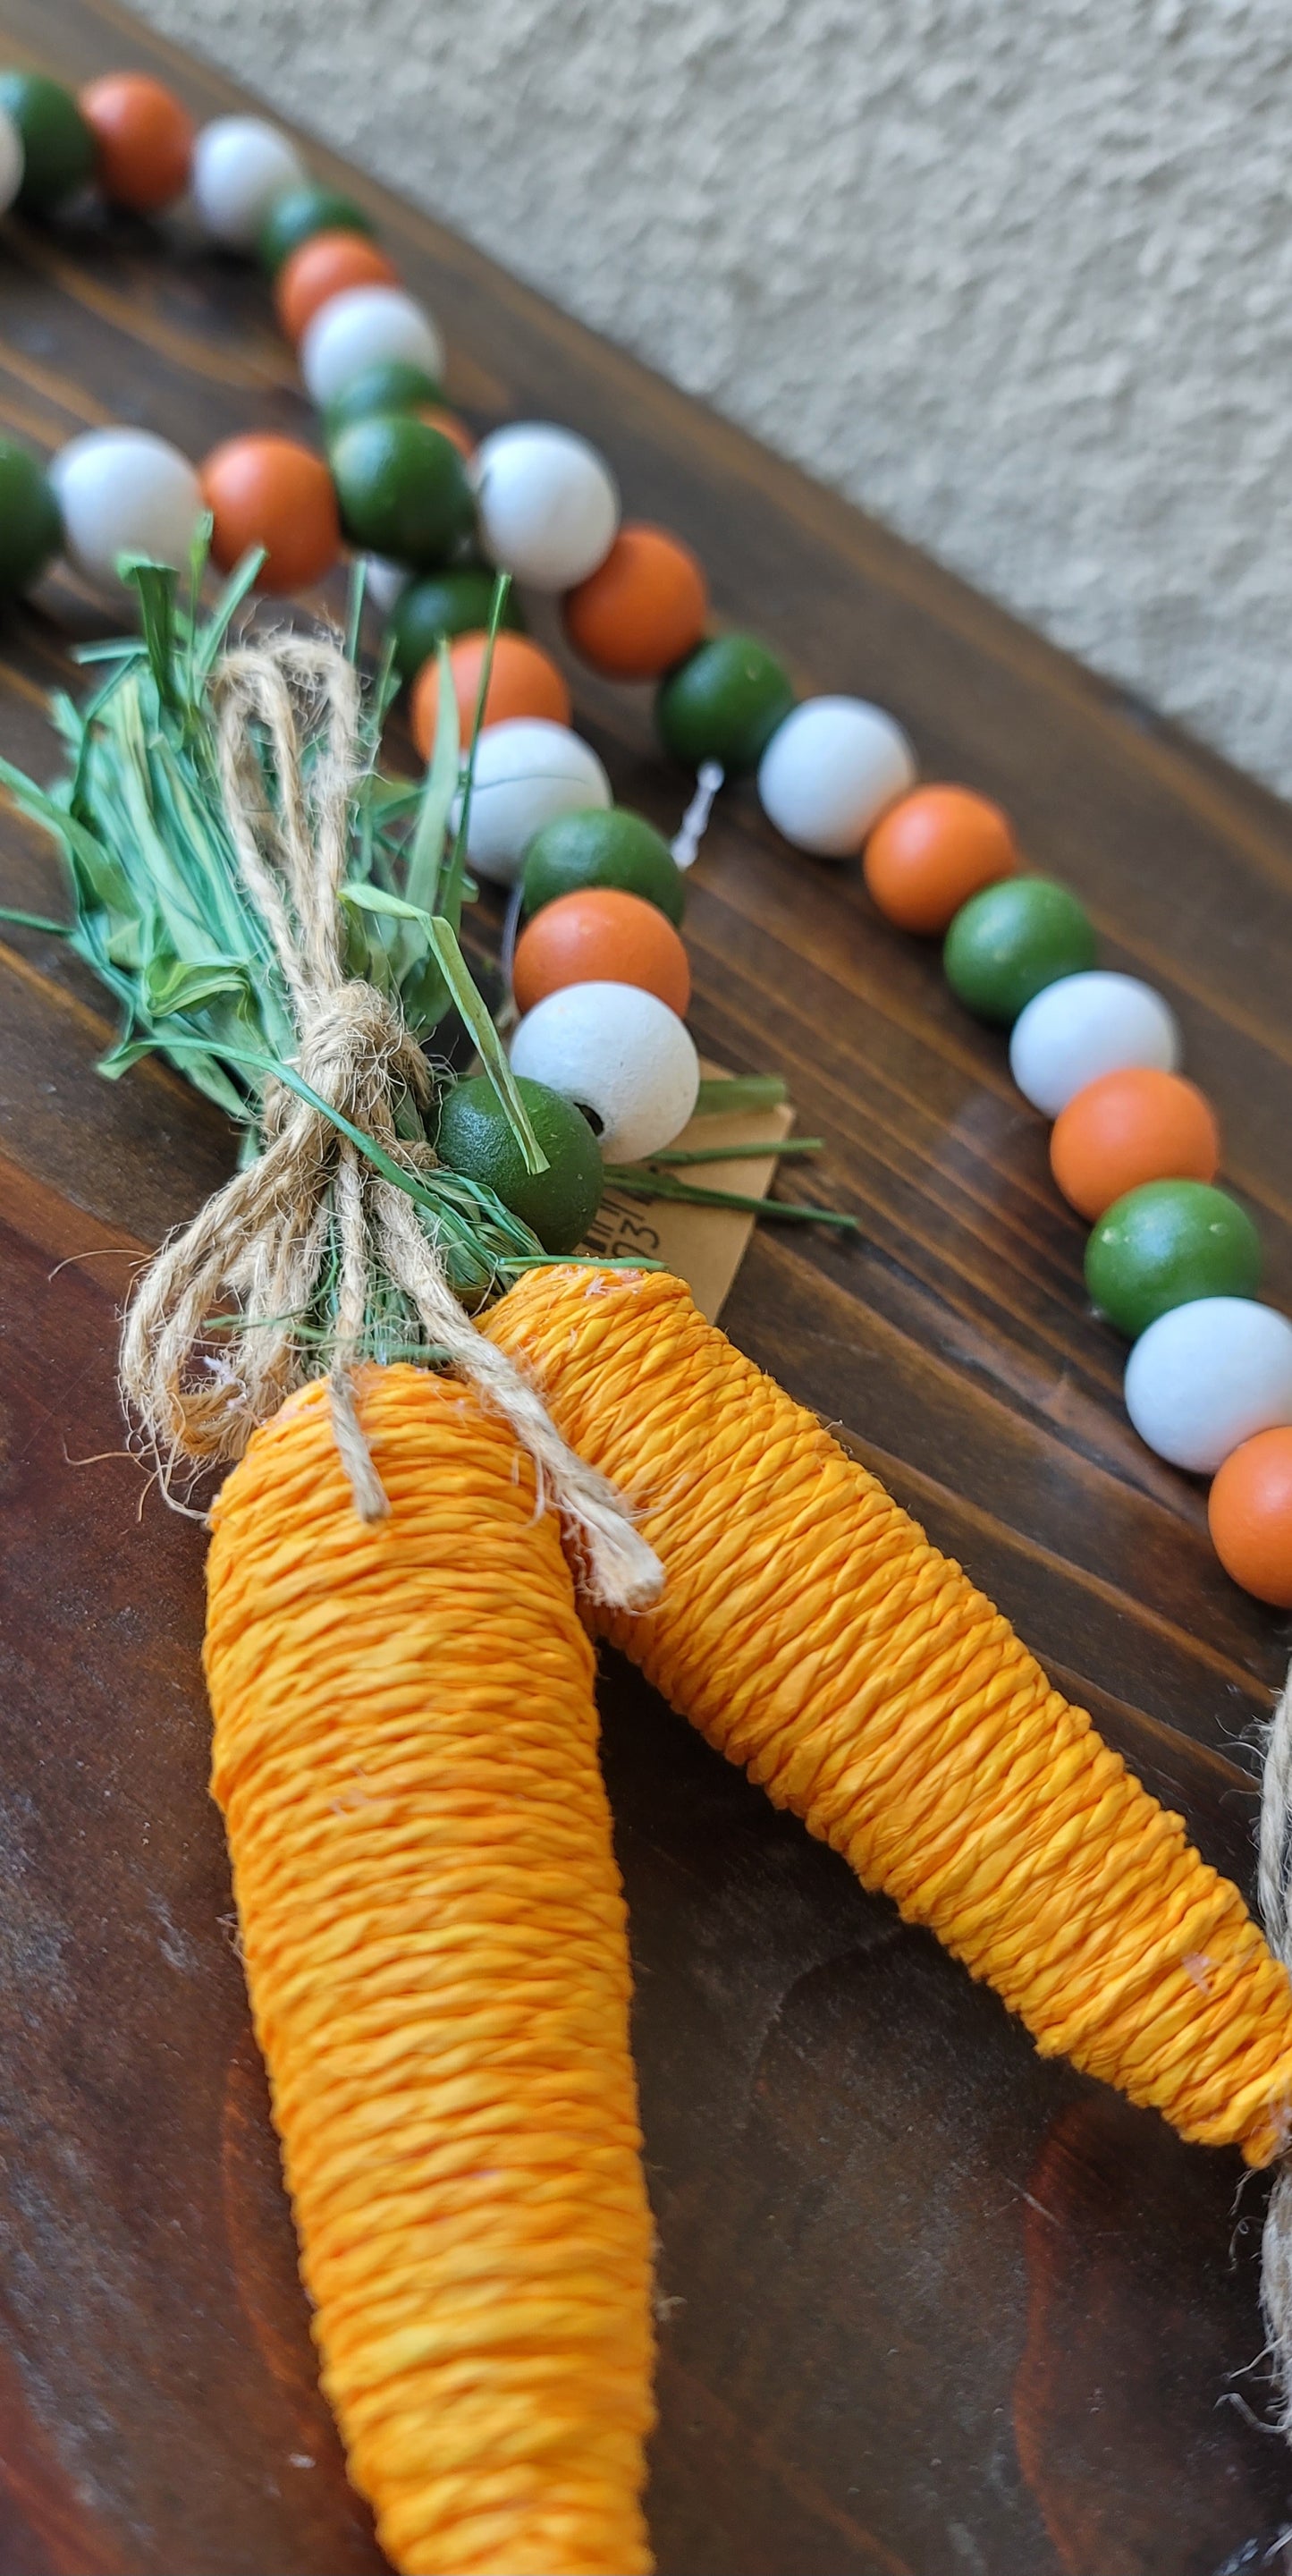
pixel 732 1095
pixel 638 1181
pixel 457 975
pixel 159 912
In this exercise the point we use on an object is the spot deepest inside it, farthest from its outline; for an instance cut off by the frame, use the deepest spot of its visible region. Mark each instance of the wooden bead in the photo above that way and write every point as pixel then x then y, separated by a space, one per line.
pixel 1165 1244
pixel 402 486
pixel 1206 1377
pixel 1085 1026
pixel 931 852
pixel 455 601
pixel 390 384
pixel 723 703
pixel 830 770
pixel 410 391
pixel 523 681
pixel 1012 939
pixel 30 527
pixel 240 164
pixel 548 503
pixel 272 492
pixel 621 1055
pixel 122 491
pixel 384 583
pixel 57 146
pixel 366 326
pixel 642 608
pixel 475 1137
pixel 526 772
pixel 1249 1513
pixel 143 138
pixel 302 213
pixel 1130 1127
pixel 325 266
pixel 601 936
pixel 611 848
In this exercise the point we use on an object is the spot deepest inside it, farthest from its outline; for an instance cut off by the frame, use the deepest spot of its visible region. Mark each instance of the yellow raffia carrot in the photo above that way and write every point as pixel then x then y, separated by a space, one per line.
pixel 813 1635
pixel 405 1754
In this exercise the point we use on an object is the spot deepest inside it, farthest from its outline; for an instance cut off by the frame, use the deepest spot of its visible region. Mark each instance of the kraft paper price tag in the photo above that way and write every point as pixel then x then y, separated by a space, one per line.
pixel 704 1246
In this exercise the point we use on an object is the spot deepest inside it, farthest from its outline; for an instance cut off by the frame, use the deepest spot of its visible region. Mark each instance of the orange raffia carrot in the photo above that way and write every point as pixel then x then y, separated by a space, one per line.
pixel 813 1635
pixel 405 1754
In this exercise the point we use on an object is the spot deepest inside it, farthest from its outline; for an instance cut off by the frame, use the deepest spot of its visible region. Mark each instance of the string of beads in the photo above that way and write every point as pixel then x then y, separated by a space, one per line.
pixel 1173 1261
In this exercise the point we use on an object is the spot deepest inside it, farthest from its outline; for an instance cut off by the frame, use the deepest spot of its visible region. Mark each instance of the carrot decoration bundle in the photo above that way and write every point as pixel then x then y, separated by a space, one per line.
pixel 405 1729
pixel 812 1634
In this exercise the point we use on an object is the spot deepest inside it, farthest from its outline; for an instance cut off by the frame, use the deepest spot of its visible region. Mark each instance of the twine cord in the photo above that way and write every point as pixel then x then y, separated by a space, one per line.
pixel 1274 1882
pixel 695 822
pixel 289 709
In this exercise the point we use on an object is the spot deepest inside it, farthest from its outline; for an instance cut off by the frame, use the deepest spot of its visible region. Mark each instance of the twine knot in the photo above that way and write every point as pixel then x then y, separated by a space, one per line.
pixel 357 1051
pixel 354 1047
pixel 310 1241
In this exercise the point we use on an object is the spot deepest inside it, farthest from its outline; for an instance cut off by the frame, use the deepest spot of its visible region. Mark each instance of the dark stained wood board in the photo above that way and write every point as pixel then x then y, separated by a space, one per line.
pixel 929 2305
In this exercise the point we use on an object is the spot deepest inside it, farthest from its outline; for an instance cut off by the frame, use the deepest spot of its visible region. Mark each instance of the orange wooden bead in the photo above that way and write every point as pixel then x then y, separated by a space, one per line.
pixel 327 265
pixel 448 425
pixel 1130 1127
pixel 265 491
pixel 931 851
pixel 524 681
pixel 601 936
pixel 642 609
pixel 144 139
pixel 1249 1512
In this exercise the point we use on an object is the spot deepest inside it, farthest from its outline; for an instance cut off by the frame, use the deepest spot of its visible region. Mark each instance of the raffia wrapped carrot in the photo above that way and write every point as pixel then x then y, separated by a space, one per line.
pixel 405 1753
pixel 813 1635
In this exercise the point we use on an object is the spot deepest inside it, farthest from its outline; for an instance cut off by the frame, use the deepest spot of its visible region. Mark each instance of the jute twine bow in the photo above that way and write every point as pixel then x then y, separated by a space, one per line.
pixel 1274 1884
pixel 311 1198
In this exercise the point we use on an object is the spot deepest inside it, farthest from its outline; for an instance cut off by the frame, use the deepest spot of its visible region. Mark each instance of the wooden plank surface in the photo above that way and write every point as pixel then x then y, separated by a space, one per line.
pixel 929 2305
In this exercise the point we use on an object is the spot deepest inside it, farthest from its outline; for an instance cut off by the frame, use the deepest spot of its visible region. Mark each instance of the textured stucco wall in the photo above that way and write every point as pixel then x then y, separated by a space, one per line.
pixel 1015 274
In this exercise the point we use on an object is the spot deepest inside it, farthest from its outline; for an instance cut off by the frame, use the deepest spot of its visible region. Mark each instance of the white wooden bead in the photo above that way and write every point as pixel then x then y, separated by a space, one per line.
pixel 123 491
pixel 1207 1376
pixel 383 582
pixel 240 165
pixel 526 771
pixel 622 1055
pixel 1087 1025
pixel 363 327
pixel 12 160
pixel 829 772
pixel 549 504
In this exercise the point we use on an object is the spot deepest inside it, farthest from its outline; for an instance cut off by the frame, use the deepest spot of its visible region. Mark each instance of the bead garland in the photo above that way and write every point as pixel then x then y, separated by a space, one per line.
pixel 600 976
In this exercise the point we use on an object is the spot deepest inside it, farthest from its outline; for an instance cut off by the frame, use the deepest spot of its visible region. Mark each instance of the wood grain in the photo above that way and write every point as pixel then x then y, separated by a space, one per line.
pixel 929 2305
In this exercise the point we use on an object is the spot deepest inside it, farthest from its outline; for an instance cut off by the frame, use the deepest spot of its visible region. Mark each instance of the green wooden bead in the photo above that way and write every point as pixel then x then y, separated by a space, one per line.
pixel 403 489
pixel 1007 943
pixel 298 214
pixel 1165 1244
pixel 475 1138
pixel 444 603
pixel 59 151
pixel 724 702
pixel 602 846
pixel 31 528
pixel 393 384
